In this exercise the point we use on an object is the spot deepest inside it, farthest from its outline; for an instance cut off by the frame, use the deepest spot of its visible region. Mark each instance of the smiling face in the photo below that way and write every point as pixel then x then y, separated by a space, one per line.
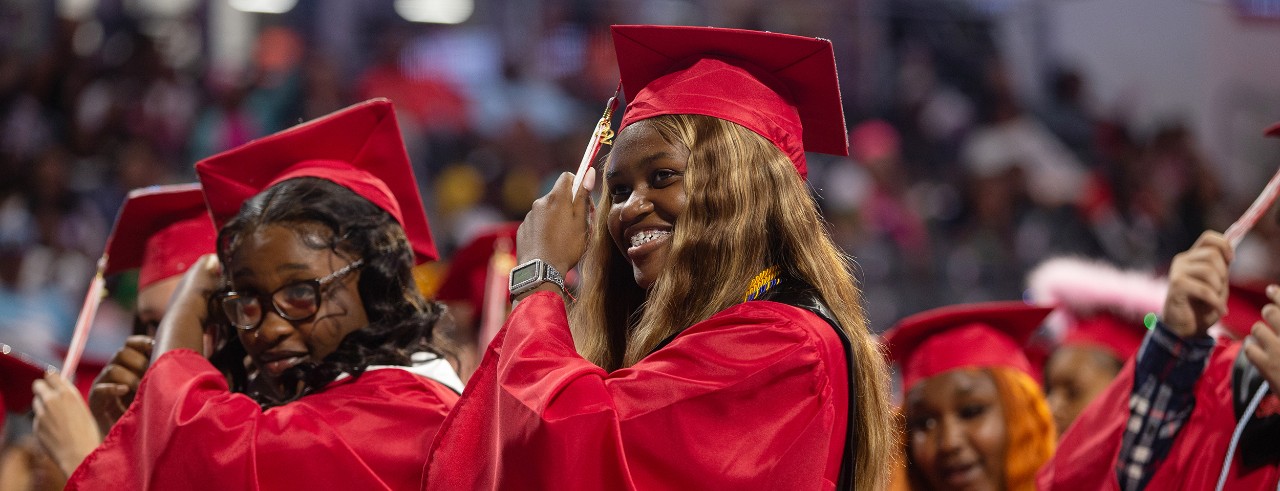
pixel 644 181
pixel 273 256
pixel 1074 376
pixel 956 431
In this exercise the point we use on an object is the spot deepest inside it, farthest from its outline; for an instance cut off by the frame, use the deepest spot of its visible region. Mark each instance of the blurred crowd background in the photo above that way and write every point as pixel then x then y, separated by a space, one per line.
pixel 986 135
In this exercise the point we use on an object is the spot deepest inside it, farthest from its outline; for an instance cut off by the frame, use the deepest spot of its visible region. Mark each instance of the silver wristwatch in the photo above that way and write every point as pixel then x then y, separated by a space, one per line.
pixel 529 275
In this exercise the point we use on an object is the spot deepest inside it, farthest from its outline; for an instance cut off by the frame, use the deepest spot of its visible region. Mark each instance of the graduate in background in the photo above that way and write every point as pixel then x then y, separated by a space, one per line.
pixel 1190 410
pixel 1167 421
pixel 160 231
pixel 718 342
pixel 467 289
pixel 1099 319
pixel 320 226
pixel 974 414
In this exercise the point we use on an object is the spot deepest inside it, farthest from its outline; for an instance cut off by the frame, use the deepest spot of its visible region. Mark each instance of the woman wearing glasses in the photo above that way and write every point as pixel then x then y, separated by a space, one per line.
pixel 318 314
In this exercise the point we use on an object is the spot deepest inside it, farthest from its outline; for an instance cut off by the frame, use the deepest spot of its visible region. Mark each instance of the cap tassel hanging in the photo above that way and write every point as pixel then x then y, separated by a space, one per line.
pixel 602 135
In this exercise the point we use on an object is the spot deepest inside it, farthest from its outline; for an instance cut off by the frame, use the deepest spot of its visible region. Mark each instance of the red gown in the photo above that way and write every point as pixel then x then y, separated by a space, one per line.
pixel 753 398
pixel 1087 453
pixel 186 430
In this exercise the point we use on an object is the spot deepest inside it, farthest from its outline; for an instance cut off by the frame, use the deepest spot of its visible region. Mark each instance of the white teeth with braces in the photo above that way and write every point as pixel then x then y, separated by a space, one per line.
pixel 646 236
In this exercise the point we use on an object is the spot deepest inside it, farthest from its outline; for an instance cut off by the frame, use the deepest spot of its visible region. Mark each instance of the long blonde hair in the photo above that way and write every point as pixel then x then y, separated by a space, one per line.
pixel 747 209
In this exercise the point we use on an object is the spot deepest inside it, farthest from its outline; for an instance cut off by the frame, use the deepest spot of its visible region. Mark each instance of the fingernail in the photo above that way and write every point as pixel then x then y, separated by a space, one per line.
pixel 589 179
pixel 1271 290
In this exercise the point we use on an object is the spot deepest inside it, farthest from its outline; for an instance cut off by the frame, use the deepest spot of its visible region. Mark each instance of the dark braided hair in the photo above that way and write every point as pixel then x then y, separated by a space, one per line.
pixel 401 321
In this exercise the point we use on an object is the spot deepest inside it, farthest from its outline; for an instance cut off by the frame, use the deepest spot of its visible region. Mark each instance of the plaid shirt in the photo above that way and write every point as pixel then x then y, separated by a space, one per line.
pixel 1164 380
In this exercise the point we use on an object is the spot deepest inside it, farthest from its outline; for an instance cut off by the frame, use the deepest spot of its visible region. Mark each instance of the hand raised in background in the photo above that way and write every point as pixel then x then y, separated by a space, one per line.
pixel 1198 286
pixel 1262 347
pixel 115 386
pixel 63 425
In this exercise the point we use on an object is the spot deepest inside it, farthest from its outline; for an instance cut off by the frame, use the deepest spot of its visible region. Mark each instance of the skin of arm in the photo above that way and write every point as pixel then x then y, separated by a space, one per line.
pixel 183 323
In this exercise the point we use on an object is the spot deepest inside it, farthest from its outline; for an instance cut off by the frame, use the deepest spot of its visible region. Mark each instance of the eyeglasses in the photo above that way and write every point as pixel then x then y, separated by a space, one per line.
pixel 293 302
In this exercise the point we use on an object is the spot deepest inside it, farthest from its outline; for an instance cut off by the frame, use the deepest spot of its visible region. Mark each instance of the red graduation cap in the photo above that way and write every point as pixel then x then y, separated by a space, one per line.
pixel 873 140
pixel 1099 305
pixel 1114 334
pixel 465 279
pixel 780 86
pixel 359 148
pixel 17 373
pixel 990 334
pixel 161 230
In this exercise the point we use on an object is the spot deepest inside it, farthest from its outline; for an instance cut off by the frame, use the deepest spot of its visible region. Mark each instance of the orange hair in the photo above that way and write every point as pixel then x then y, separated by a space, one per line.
pixel 1029 427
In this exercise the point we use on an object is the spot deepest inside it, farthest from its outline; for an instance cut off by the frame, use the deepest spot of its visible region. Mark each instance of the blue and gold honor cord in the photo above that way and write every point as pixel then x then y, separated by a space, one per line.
pixel 764 281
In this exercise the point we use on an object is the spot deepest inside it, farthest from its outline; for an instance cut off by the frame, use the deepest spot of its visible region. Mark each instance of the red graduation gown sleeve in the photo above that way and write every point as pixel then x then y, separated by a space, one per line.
pixel 186 430
pixel 1087 454
pixel 753 398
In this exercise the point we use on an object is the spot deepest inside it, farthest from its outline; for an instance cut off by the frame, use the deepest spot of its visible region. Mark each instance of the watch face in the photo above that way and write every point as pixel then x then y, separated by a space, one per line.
pixel 524 274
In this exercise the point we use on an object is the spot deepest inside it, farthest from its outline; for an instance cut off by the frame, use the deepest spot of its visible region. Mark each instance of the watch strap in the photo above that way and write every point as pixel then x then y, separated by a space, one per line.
pixel 543 273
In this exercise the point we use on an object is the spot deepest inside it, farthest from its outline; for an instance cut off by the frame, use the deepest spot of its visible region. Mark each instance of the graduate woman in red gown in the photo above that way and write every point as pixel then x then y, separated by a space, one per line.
pixel 717 340
pixel 975 416
pixel 1169 420
pixel 319 229
pixel 160 231
pixel 1099 315
pixel 1189 411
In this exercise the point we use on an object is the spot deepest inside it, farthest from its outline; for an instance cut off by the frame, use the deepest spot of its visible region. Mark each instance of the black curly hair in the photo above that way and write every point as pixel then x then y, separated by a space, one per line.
pixel 401 321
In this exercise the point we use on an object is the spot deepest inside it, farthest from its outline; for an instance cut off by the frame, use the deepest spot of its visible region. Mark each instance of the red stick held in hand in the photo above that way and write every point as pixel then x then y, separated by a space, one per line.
pixel 1237 230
